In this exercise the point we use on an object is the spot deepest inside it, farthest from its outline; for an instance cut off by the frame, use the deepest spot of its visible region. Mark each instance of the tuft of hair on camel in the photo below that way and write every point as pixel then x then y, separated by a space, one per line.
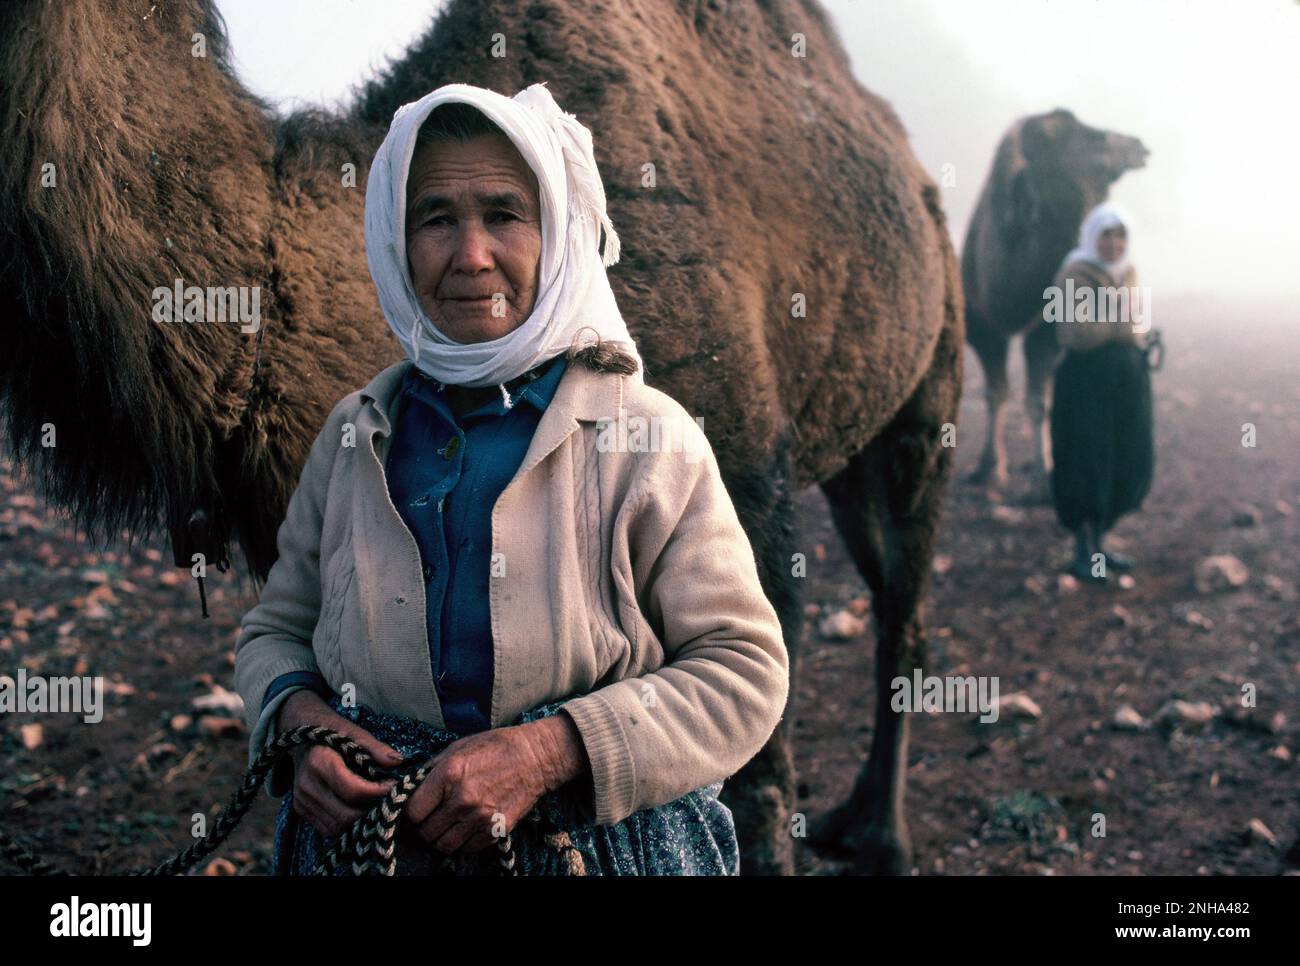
pixel 737 167
pixel 1048 172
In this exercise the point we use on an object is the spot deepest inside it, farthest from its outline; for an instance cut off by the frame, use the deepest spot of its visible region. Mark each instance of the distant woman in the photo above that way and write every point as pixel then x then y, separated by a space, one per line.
pixel 1102 445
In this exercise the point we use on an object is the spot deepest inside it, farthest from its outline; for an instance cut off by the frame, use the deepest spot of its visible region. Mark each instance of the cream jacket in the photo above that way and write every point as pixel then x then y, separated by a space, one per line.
pixel 622 580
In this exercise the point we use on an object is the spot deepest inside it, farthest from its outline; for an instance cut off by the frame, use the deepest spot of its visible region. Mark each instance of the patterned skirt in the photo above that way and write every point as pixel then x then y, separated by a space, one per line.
pixel 693 835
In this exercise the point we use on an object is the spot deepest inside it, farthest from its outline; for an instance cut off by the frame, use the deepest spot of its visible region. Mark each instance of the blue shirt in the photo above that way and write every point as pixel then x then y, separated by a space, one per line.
pixel 444 477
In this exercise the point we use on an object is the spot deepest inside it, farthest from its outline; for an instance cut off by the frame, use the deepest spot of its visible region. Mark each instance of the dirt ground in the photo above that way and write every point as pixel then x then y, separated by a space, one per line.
pixel 1015 797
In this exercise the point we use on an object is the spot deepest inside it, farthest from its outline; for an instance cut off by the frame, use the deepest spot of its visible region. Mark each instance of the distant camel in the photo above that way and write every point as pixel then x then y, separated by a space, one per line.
pixel 1049 171
pixel 786 271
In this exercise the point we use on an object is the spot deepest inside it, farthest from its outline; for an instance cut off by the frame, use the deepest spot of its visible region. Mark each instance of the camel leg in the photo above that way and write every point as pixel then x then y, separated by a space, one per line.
pixel 991 348
pixel 886 505
pixel 761 795
pixel 1041 353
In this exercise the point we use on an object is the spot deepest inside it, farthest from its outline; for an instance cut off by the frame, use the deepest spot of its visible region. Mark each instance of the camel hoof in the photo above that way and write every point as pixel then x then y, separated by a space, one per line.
pixel 881 852
pixel 827 831
pixel 871 849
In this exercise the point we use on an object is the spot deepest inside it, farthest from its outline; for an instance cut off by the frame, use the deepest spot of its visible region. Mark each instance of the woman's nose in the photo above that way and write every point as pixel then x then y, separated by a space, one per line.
pixel 474 247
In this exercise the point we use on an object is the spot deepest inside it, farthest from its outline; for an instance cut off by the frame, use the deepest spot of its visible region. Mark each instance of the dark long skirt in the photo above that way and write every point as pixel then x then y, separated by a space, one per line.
pixel 1103 450
pixel 693 835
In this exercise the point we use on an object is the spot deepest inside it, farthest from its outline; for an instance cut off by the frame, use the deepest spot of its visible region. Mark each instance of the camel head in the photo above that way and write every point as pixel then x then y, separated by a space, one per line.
pixel 1051 169
pixel 1065 169
pixel 1090 157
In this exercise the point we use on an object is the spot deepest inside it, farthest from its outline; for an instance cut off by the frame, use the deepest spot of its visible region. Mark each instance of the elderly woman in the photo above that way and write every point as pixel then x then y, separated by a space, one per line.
pixel 474 571
pixel 1102 447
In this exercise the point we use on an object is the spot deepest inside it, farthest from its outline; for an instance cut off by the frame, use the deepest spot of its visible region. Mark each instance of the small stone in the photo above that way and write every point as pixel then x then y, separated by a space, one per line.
pixel 180 722
pixel 1066 583
pixel 1127 718
pixel 1196 619
pixel 1017 705
pixel 1193 713
pixel 1036 585
pixel 859 606
pixel 220 866
pixel 1008 514
pixel 221 701
pixel 221 727
pixel 1246 516
pixel 942 563
pixel 1257 831
pixel 1275 585
pixel 1220 572
pixel 1281 753
pixel 32 736
pixel 95 611
pixel 842 626
pixel 94 576
pixel 1120 617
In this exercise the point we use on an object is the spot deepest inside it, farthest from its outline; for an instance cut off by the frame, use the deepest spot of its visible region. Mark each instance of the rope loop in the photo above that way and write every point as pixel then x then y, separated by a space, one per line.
pixel 367 848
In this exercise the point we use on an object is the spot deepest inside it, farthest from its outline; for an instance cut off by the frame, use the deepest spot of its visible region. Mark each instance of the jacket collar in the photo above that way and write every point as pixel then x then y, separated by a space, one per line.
pixel 583 394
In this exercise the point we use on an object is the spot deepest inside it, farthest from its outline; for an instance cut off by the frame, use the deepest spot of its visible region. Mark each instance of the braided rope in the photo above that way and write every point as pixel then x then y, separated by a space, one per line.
pixel 367 848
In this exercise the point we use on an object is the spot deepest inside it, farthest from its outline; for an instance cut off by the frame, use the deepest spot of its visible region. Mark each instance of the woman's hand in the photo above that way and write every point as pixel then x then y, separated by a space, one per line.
pixel 326 792
pixel 483 784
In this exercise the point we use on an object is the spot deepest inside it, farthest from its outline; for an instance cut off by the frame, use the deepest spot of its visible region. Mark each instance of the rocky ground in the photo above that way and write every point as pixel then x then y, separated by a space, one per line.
pixel 1131 701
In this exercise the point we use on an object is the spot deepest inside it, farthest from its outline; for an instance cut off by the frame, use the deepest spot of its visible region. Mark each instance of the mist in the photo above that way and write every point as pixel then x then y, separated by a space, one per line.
pixel 1212 89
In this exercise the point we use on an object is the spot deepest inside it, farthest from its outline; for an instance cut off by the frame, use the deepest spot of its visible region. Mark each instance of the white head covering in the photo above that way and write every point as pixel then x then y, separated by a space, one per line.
pixel 1105 216
pixel 574 300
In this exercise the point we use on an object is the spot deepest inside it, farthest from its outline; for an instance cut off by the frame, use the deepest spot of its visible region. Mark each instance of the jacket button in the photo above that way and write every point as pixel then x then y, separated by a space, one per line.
pixel 428 573
pixel 450 449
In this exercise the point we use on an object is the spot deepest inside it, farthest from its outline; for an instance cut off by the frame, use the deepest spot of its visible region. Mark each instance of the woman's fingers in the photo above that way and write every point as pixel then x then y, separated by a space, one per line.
pixel 478 842
pixel 325 813
pixel 451 840
pixel 344 784
pixel 329 796
pixel 427 797
pixel 385 756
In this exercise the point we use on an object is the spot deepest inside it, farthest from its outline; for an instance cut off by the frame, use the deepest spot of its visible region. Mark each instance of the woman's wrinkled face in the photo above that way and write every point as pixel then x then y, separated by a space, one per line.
pixel 473 236
pixel 1112 243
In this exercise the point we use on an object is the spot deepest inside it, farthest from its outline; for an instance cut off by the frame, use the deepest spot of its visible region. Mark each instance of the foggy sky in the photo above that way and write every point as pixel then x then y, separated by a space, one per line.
pixel 1212 89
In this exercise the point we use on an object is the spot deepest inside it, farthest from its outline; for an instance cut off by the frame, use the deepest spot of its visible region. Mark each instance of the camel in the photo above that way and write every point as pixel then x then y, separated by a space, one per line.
pixel 739 155
pixel 1049 171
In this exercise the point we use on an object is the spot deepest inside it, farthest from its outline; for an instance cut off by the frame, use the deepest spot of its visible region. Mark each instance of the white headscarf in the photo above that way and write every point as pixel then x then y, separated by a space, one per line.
pixel 573 292
pixel 1105 216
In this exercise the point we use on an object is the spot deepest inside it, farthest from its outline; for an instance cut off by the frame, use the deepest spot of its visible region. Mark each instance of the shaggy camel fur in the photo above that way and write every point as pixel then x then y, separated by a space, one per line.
pixel 1049 171
pixel 786 271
